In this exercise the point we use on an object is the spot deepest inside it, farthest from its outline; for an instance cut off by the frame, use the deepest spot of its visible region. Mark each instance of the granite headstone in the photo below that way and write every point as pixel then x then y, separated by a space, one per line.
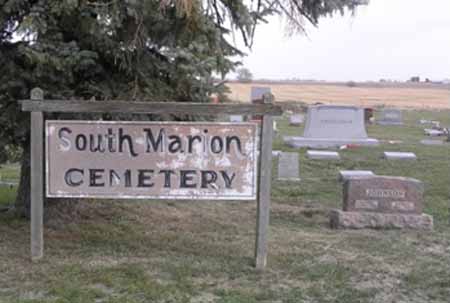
pixel 332 126
pixel 382 202
pixel 288 166
pixel 391 116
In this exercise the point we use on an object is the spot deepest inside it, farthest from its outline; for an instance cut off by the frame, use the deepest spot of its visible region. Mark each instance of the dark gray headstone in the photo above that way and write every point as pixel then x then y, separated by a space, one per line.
pixel 384 194
pixel 288 167
pixel 382 202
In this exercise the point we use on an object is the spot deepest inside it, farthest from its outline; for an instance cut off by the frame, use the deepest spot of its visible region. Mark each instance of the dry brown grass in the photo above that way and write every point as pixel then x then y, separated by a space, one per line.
pixel 361 95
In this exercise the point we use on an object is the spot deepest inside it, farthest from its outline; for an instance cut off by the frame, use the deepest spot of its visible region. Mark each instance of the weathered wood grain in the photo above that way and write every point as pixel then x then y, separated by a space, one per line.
pixel 37 176
pixel 150 107
pixel 264 191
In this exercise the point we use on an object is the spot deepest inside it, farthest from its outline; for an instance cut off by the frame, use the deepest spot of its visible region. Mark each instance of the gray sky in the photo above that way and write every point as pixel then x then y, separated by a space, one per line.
pixel 390 39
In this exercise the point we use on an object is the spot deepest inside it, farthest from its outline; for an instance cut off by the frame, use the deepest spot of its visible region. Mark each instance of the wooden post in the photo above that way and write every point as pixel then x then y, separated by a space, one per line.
pixel 37 186
pixel 264 189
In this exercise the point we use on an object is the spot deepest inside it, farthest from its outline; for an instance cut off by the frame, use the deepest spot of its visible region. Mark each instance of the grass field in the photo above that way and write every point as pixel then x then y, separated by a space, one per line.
pixel 8 173
pixel 202 251
pixel 402 96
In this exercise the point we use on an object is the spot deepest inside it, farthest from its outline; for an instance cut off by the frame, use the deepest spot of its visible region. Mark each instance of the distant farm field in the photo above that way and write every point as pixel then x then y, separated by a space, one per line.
pixel 401 95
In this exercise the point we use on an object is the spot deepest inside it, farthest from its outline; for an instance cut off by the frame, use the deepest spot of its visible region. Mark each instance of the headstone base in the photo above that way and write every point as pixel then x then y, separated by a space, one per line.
pixel 298 142
pixel 358 220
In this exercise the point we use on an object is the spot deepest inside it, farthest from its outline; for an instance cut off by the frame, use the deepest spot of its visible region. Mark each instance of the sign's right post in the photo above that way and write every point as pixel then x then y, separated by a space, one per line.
pixel 264 188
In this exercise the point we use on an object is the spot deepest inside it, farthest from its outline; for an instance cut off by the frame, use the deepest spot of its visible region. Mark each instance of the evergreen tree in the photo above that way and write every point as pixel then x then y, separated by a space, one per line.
pixel 125 49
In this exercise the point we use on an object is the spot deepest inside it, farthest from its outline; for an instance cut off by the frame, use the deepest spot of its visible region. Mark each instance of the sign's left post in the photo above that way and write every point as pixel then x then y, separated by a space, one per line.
pixel 37 177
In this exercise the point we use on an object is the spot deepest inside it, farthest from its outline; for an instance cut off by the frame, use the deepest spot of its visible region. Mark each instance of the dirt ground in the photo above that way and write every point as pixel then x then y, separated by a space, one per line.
pixel 402 96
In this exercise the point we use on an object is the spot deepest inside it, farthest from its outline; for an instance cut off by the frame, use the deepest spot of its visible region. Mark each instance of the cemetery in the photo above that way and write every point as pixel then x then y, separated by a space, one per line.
pixel 185 151
pixel 323 208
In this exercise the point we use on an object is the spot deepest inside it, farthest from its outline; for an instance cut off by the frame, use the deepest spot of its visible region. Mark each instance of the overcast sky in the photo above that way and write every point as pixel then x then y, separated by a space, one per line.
pixel 390 39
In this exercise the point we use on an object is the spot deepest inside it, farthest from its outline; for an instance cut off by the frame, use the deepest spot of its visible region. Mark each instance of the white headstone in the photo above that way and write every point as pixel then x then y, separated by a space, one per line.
pixel 432 142
pixel 296 120
pixel 399 156
pixel 332 126
pixel 276 153
pixel 288 167
pixel 236 118
pixel 348 174
pixel 433 132
pixel 322 155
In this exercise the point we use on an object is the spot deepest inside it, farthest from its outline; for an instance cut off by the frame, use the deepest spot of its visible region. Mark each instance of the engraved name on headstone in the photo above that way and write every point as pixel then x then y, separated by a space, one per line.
pixel 384 194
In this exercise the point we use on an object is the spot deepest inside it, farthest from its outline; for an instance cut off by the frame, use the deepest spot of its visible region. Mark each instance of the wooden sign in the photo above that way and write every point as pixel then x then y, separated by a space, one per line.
pixel 151 160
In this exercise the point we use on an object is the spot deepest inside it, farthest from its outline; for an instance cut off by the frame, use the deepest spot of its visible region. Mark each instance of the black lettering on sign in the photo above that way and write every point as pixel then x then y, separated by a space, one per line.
pixel 209 177
pixel 74 177
pixel 228 180
pixel 175 144
pixel 216 144
pixel 167 173
pixel 111 140
pixel 126 139
pixel 96 145
pixel 144 177
pixel 237 144
pixel 116 179
pixel 80 142
pixel 152 144
pixel 94 176
pixel 65 145
pixel 186 179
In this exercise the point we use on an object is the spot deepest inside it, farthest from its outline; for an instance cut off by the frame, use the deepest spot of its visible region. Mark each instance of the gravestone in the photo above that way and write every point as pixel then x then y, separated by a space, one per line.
pixel 322 155
pixel 332 126
pixel 236 118
pixel 391 116
pixel 257 93
pixel 433 132
pixel 288 167
pixel 276 153
pixel 431 142
pixel 399 156
pixel 296 120
pixel 256 97
pixel 382 202
pixel 349 174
